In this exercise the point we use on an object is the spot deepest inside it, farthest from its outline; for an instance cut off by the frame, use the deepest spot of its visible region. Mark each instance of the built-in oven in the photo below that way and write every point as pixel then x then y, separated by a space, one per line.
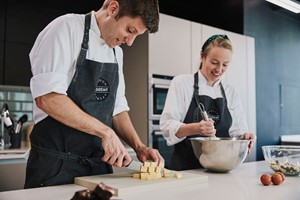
pixel 158 89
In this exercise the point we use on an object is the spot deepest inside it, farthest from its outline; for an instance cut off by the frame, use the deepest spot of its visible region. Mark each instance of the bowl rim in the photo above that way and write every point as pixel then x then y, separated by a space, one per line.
pixel 201 138
pixel 281 147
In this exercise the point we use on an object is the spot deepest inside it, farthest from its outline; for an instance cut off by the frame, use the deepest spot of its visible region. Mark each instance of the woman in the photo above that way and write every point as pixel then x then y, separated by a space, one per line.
pixel 204 91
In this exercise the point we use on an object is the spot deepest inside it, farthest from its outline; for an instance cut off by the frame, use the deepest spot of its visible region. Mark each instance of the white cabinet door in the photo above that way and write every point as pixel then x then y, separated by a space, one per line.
pixel 251 87
pixel 196 44
pixel 200 33
pixel 241 74
pixel 208 31
pixel 236 74
pixel 170 47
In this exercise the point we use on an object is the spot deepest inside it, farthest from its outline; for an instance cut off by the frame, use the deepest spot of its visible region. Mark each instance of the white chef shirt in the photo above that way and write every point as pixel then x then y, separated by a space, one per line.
pixel 54 55
pixel 180 96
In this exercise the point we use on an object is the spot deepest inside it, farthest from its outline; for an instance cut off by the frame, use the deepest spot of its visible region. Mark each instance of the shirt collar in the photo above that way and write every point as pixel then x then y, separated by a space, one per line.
pixel 203 80
pixel 95 28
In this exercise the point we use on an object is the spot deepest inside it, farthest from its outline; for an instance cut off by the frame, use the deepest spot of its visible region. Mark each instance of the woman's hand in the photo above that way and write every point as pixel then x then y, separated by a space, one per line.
pixel 206 128
pixel 251 137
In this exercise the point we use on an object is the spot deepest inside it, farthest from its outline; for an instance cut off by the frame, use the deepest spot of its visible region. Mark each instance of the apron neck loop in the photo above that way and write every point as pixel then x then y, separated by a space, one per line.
pixel 87 24
pixel 196 88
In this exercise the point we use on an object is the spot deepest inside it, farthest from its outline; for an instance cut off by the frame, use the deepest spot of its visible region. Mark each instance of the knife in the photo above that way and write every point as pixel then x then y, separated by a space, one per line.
pixel 134 165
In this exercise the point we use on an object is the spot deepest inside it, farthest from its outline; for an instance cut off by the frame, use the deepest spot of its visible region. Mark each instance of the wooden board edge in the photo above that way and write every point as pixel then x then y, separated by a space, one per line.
pixel 145 188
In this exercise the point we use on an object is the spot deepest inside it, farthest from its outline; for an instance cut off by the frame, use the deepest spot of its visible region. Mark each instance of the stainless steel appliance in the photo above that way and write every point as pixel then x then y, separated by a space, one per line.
pixel 158 89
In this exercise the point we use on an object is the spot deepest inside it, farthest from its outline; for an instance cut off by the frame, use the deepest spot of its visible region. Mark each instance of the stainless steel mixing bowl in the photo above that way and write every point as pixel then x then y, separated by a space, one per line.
pixel 220 154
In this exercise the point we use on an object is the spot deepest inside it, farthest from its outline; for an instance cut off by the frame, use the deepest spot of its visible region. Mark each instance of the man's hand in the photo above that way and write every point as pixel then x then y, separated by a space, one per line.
pixel 115 152
pixel 146 153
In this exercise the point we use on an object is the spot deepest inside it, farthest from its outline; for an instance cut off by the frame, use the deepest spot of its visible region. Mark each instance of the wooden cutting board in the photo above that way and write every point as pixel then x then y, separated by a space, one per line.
pixel 124 183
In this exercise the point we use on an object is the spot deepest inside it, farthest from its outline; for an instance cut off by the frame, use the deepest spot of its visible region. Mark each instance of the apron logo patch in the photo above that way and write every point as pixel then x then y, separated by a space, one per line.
pixel 214 115
pixel 102 90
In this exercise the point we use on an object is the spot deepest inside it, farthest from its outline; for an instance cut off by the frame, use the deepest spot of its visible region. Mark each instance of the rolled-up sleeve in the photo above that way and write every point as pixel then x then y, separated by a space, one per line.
pixel 121 104
pixel 52 59
pixel 175 109
pixel 45 83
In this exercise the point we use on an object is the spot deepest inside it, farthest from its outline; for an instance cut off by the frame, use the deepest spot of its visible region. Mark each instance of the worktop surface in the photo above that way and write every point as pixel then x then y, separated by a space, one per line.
pixel 242 183
pixel 9 156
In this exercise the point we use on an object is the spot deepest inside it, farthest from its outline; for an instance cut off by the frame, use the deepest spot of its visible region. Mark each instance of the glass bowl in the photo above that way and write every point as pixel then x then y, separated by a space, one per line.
pixel 283 158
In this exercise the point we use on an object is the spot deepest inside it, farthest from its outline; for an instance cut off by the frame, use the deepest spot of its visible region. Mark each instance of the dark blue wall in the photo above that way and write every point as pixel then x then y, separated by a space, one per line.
pixel 277 52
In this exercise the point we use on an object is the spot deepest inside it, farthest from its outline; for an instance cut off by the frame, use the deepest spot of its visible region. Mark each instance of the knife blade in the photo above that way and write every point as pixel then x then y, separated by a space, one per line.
pixel 134 165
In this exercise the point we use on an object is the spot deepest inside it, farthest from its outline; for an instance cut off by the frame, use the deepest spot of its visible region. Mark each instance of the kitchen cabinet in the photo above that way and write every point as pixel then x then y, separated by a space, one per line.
pixel 1 61
pixel 12 169
pixel 169 48
pixel 2 20
pixel 2 36
pixel 241 75
pixel 17 65
pixel 20 23
pixel 196 44
pixel 12 176
pixel 23 22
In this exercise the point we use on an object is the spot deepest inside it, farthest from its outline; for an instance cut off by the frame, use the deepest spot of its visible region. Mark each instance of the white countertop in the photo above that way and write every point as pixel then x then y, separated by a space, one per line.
pixel 8 156
pixel 242 183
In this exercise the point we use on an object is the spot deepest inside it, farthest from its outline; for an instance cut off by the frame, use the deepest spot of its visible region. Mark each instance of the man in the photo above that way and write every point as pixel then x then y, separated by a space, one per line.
pixel 80 107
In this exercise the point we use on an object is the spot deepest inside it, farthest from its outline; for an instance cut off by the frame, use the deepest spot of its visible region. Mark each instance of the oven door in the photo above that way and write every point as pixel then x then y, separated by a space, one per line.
pixel 157 100
pixel 160 144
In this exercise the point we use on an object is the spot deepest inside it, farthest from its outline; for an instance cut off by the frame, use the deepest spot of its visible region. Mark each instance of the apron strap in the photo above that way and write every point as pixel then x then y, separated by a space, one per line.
pixel 63 155
pixel 87 24
pixel 196 89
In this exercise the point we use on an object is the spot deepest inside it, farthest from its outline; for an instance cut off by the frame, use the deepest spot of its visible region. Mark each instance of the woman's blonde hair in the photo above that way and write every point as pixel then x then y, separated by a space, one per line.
pixel 215 41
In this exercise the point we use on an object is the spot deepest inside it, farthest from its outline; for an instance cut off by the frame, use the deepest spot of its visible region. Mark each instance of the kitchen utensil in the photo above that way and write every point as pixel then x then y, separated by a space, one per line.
pixel 5 122
pixel 134 165
pixel 15 135
pixel 283 158
pixel 219 154
pixel 124 183
pixel 20 122
pixel 203 112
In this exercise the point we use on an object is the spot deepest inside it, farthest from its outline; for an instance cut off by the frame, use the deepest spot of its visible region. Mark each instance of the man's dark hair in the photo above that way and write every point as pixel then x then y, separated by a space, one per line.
pixel 148 10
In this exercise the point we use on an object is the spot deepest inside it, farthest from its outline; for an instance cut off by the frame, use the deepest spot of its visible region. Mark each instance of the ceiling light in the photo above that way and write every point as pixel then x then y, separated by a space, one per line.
pixel 287 4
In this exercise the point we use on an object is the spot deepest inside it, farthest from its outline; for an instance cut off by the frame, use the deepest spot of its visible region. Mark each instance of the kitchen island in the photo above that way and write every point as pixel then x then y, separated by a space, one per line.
pixel 12 168
pixel 243 183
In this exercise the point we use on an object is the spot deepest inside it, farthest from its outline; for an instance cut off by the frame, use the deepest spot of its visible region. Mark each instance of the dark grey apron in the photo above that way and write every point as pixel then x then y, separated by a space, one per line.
pixel 60 153
pixel 183 157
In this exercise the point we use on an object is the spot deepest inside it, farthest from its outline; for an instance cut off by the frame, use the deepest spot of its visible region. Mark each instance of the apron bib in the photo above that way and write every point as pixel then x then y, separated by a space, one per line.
pixel 60 153
pixel 183 156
